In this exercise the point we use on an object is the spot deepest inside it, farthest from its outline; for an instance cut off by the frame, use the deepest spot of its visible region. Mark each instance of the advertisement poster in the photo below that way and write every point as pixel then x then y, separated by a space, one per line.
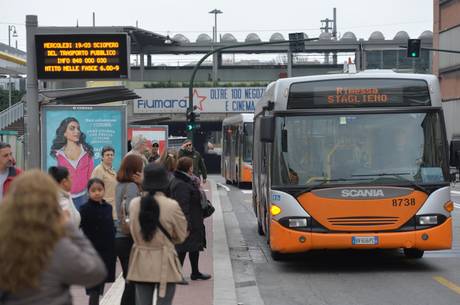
pixel 207 100
pixel 153 133
pixel 73 137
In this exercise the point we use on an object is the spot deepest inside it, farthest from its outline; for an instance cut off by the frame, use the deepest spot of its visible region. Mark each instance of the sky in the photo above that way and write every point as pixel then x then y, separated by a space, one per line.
pixel 240 17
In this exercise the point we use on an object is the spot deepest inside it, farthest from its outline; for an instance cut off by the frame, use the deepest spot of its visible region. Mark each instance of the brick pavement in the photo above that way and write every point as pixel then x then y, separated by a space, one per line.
pixel 196 293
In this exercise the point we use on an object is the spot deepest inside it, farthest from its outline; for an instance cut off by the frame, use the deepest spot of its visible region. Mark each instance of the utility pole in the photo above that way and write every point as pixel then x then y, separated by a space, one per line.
pixel 31 111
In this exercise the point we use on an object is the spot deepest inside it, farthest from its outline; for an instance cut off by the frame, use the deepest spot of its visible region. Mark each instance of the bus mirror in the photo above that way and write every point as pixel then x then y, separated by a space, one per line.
pixel 267 129
pixel 455 152
pixel 284 140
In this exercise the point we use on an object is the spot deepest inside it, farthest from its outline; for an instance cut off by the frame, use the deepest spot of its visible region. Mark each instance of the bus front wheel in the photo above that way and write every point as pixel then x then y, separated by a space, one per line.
pixel 277 256
pixel 413 253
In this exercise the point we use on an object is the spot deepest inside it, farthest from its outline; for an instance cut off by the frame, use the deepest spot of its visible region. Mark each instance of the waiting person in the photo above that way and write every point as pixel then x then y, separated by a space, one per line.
pixel 97 224
pixel 61 175
pixel 188 197
pixel 71 150
pixel 7 169
pixel 157 224
pixel 154 152
pixel 129 178
pixel 106 173
pixel 139 147
pixel 199 168
pixel 169 161
pixel 52 255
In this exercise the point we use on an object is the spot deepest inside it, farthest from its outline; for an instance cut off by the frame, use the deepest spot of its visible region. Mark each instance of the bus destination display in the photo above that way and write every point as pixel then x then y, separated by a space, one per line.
pixel 82 56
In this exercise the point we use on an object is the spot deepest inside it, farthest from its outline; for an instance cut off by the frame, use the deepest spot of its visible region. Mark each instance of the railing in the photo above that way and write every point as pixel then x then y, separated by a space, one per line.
pixel 11 115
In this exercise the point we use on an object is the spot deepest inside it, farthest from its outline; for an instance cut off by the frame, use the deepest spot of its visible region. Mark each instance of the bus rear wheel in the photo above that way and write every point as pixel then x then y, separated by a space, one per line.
pixel 260 229
pixel 413 253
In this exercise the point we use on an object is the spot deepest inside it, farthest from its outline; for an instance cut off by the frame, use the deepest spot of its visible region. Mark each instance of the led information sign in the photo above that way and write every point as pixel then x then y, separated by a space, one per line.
pixel 82 56
pixel 358 93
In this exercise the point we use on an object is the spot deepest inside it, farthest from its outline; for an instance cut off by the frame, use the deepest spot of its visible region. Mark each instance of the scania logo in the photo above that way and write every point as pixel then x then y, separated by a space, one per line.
pixel 362 193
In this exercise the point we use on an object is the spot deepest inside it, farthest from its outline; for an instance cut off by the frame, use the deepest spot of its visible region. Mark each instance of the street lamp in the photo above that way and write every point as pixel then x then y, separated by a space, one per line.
pixel 214 32
pixel 11 28
pixel 215 57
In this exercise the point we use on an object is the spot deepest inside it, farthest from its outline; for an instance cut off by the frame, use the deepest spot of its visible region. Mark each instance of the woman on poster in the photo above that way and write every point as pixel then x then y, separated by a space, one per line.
pixel 70 150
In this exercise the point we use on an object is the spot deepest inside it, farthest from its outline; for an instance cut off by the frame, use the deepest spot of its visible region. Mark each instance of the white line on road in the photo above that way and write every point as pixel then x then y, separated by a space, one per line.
pixel 457 206
pixel 246 191
pixel 455 192
pixel 113 295
pixel 224 187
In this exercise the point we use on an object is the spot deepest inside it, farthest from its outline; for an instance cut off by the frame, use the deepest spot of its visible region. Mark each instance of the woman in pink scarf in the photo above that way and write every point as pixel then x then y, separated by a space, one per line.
pixel 70 150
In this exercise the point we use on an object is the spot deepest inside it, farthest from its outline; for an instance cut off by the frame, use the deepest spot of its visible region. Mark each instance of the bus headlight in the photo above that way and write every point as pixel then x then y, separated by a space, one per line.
pixel 298 222
pixel 427 220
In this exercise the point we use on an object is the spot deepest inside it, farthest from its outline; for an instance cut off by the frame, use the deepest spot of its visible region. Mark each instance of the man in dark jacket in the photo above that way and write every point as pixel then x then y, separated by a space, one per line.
pixel 199 168
pixel 7 169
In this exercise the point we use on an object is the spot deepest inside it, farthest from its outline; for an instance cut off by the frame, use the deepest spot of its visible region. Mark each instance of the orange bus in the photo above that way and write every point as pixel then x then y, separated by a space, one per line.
pixel 237 138
pixel 352 161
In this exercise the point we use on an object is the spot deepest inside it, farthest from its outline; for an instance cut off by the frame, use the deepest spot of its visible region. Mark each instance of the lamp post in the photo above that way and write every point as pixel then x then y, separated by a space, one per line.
pixel 11 28
pixel 215 56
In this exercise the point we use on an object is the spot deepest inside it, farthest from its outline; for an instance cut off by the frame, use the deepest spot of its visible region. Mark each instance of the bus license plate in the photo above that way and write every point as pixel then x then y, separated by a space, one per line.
pixel 364 240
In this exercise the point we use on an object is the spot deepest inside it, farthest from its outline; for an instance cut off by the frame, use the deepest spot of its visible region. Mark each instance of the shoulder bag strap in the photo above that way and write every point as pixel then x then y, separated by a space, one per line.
pixel 123 198
pixel 166 233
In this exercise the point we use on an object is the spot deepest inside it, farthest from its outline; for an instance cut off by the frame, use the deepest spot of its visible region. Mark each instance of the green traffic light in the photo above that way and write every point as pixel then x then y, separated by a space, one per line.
pixel 189 127
pixel 413 54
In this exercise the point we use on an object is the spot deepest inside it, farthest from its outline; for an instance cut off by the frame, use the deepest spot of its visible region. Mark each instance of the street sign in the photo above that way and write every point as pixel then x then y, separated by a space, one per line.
pixel 82 56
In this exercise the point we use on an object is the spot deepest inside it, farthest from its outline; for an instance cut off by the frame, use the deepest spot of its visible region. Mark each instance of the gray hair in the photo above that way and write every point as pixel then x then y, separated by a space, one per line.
pixel 4 145
pixel 137 141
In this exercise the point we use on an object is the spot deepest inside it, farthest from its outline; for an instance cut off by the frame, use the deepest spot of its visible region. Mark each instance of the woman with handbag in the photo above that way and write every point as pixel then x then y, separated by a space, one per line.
pixel 189 199
pixel 129 178
pixel 157 224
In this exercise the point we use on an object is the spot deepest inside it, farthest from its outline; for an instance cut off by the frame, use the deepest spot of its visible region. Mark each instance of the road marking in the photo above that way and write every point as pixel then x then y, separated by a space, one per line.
pixel 113 295
pixel 443 281
pixel 246 191
pixel 224 187
pixel 455 192
pixel 457 206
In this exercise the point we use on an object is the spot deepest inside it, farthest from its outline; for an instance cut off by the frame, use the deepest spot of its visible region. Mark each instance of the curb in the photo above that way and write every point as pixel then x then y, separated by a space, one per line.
pixel 224 292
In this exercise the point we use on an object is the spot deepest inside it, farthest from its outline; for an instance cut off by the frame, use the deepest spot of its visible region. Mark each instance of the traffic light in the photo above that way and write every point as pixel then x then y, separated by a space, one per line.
pixel 191 120
pixel 413 48
pixel 296 43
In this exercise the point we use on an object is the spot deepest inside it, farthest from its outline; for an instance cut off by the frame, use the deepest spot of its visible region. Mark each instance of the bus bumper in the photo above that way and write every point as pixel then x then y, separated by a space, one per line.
pixel 285 240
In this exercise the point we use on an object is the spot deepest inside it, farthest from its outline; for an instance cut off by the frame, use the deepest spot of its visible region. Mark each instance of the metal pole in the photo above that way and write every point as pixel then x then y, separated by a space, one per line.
pixel 94 19
pixel 9 35
pixel 9 90
pixel 215 55
pixel 31 111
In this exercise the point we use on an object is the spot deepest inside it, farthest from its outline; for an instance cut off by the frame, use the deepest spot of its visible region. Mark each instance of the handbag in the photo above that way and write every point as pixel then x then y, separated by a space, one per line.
pixel 124 217
pixel 206 205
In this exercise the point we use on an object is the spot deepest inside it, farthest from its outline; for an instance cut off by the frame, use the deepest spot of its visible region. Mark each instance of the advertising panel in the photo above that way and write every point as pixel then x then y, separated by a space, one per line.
pixel 73 137
pixel 153 133
pixel 208 100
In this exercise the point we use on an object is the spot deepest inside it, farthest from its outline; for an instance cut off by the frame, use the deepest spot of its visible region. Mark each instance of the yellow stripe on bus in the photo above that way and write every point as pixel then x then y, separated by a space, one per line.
pixel 445 282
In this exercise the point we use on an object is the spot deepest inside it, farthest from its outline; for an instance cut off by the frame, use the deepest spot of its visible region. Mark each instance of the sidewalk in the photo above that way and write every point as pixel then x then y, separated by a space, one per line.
pixel 215 260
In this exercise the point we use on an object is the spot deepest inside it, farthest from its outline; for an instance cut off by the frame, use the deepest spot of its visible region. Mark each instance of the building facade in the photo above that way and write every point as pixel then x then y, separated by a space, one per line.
pixel 446 35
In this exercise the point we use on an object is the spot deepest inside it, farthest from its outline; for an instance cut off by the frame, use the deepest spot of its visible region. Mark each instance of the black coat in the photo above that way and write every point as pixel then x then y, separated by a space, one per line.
pixel 188 197
pixel 97 224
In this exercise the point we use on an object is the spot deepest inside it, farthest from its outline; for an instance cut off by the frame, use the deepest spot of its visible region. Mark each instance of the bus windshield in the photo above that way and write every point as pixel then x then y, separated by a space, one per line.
pixel 385 148
pixel 248 142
